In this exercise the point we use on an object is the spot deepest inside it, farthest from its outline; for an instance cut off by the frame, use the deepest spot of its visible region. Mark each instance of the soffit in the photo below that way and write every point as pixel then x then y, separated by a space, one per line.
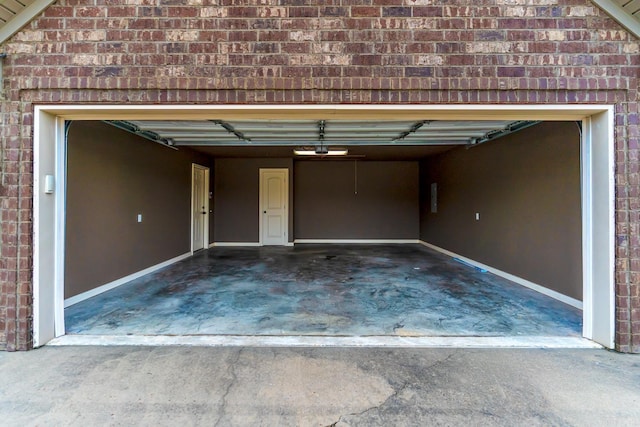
pixel 14 14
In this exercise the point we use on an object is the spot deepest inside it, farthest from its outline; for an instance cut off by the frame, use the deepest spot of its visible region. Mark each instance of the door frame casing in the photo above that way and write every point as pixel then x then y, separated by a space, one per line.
pixel 205 237
pixel 597 157
pixel 597 177
pixel 49 214
pixel 286 204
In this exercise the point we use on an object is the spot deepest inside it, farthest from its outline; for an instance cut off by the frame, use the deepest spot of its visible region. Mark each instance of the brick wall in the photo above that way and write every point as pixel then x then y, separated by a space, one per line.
pixel 304 51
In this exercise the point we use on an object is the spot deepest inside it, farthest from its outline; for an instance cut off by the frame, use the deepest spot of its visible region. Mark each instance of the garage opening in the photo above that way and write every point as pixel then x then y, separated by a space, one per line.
pixel 326 227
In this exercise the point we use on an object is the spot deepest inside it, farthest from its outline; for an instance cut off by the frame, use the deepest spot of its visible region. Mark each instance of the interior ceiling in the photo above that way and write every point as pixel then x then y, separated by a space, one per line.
pixel 390 140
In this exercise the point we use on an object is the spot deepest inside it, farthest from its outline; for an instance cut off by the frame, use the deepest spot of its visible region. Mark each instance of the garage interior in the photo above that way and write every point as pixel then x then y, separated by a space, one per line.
pixel 370 207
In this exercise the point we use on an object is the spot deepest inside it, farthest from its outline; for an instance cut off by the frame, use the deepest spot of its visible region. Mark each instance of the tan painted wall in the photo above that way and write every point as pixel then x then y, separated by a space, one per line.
pixel 113 176
pixel 526 188
pixel 237 198
pixel 386 205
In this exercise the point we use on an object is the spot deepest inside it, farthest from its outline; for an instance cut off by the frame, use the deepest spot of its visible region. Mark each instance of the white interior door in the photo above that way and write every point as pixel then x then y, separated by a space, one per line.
pixel 200 207
pixel 274 196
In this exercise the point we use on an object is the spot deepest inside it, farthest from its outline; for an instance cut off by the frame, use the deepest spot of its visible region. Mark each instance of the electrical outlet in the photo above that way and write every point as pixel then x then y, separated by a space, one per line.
pixel 477 216
pixel 139 217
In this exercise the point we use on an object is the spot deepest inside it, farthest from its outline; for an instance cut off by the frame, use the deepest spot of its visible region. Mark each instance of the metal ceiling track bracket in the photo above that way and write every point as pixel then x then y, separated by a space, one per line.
pixel 499 133
pixel 67 126
pixel 229 128
pixel 147 134
pixel 413 129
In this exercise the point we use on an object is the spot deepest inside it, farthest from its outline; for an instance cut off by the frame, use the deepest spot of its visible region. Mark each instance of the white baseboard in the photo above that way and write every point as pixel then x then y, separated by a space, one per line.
pixel 235 244
pixel 324 241
pixel 111 285
pixel 519 280
pixel 358 241
pixel 240 244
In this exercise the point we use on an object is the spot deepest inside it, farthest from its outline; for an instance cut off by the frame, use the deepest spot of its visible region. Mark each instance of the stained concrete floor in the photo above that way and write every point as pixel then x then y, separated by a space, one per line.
pixel 359 290
pixel 167 386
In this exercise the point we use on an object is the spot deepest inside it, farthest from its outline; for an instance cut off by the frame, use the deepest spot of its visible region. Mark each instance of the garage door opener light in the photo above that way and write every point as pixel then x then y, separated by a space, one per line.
pixel 320 151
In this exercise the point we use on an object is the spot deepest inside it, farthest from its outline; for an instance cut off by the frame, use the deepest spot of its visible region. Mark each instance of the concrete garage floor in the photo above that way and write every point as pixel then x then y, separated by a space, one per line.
pixel 327 290
pixel 87 386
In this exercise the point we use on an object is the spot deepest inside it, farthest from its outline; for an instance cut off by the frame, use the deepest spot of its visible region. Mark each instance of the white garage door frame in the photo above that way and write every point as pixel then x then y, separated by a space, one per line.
pixel 598 196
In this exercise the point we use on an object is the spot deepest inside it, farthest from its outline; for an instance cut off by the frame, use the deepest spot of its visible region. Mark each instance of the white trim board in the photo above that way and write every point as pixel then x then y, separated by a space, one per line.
pixel 234 244
pixel 325 341
pixel 519 280
pixel 240 244
pixel 60 215
pixel 358 241
pixel 597 178
pixel 489 111
pixel 119 282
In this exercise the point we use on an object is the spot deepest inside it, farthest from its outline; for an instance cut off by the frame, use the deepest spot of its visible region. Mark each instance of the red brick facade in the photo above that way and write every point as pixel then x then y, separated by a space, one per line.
pixel 317 52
